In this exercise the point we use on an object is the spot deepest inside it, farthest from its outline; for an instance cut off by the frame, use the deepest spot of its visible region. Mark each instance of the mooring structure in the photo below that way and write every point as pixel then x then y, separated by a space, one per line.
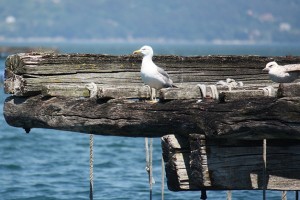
pixel 226 126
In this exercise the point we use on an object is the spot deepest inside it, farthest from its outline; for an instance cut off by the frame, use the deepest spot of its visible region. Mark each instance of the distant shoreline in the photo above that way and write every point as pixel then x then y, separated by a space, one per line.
pixel 135 41
pixel 122 47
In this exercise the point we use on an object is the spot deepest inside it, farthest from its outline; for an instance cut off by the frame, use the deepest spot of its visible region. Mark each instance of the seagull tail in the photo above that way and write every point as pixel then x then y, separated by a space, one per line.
pixel 174 86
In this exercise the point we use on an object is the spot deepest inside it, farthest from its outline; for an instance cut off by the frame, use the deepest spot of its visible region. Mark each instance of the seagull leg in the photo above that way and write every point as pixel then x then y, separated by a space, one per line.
pixel 152 94
pixel 150 91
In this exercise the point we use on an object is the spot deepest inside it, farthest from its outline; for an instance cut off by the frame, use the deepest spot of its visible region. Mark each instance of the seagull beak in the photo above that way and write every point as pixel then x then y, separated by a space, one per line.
pixel 137 52
pixel 265 69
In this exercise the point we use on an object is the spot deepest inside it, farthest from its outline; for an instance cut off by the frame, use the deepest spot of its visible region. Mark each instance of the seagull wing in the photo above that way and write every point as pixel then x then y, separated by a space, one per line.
pixel 165 76
pixel 163 72
pixel 292 68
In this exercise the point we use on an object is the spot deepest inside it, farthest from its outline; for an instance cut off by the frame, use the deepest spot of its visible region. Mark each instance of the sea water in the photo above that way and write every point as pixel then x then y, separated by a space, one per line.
pixel 50 164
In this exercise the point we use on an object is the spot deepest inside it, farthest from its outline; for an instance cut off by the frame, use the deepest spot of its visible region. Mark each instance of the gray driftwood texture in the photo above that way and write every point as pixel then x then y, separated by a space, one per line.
pixel 207 143
pixel 27 74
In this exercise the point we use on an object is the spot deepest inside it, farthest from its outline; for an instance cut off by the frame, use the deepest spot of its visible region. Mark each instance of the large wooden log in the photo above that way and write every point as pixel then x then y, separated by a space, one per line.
pixel 195 163
pixel 253 118
pixel 27 74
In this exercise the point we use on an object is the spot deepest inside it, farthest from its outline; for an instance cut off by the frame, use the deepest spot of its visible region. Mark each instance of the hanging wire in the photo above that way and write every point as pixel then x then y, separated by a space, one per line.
pixel 229 194
pixel 162 179
pixel 264 168
pixel 149 149
pixel 91 166
pixel 284 195
pixel 150 167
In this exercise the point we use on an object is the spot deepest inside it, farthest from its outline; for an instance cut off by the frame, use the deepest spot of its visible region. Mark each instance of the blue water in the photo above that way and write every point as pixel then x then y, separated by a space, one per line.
pixel 50 164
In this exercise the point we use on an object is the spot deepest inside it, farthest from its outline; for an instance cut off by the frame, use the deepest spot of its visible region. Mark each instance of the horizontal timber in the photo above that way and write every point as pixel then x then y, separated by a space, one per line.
pixel 253 118
pixel 27 74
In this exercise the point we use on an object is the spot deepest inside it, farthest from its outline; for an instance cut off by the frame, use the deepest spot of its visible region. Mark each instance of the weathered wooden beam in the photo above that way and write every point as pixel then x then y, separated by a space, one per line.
pixel 195 163
pixel 67 90
pixel 176 153
pixel 123 92
pixel 253 118
pixel 289 90
pixel 27 74
pixel 194 92
pixel 8 50
pixel 136 92
pixel 102 92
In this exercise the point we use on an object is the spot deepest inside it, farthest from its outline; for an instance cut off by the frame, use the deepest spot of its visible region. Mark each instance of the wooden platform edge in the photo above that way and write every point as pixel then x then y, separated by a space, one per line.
pixel 249 118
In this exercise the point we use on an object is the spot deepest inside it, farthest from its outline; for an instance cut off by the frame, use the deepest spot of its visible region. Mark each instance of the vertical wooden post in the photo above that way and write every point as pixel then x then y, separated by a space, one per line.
pixel 203 195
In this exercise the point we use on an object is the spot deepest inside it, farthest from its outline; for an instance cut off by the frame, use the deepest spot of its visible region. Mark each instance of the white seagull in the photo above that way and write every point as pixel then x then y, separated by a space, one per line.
pixel 284 73
pixel 152 75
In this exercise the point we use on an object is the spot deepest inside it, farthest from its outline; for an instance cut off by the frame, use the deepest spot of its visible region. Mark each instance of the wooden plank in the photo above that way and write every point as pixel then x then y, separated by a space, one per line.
pixel 255 118
pixel 289 90
pixel 103 92
pixel 193 92
pixel 190 92
pixel 113 92
pixel 123 92
pixel 226 162
pixel 40 69
pixel 8 50
pixel 240 94
pixel 176 157
pixel 35 84
pixel 65 90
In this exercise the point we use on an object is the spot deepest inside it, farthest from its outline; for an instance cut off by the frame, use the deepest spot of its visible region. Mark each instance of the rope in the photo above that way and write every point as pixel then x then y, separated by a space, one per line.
pixel 229 195
pixel 92 87
pixel 150 167
pixel 214 91
pixel 268 91
pixel 162 178
pixel 264 168
pixel 91 166
pixel 202 88
pixel 149 149
pixel 230 83
pixel 213 88
pixel 284 195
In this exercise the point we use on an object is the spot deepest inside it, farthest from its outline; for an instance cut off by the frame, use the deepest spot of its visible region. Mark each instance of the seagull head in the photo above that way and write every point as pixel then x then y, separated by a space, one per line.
pixel 270 65
pixel 145 50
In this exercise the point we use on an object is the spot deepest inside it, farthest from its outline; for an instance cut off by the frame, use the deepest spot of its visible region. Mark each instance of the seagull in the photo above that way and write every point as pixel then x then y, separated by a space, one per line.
pixel 284 73
pixel 152 75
